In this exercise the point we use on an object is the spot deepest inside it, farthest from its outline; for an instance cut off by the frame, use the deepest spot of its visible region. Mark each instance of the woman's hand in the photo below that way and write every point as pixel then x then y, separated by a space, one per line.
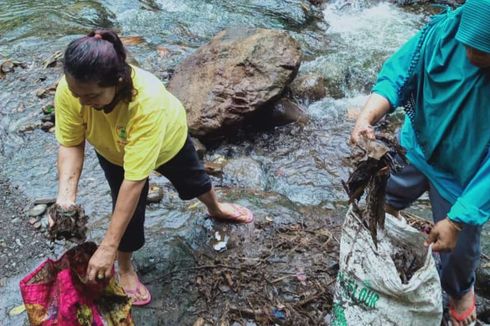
pixel 65 205
pixel 444 236
pixel 362 129
pixel 100 265
pixel 375 108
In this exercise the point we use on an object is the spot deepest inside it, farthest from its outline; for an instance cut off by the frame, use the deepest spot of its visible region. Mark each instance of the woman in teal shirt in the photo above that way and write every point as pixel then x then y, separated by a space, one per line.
pixel 442 78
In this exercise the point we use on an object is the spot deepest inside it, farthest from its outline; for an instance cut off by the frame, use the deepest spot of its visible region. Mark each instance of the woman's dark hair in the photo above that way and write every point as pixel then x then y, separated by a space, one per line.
pixel 100 57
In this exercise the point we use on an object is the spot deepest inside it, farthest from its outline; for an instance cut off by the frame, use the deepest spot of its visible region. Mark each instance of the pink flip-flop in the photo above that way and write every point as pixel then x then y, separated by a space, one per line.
pixel 461 317
pixel 241 215
pixel 138 291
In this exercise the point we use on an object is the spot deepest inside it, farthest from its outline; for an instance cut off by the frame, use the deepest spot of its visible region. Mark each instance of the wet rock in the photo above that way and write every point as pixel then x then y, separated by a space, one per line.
pixel 317 2
pixel 29 127
pixel 8 66
pixel 334 88
pixel 48 117
pixel 46 126
pixel 47 201
pixel 286 111
pixel 155 194
pixel 482 284
pixel 310 87
pixel 20 108
pixel 483 309
pixel 43 92
pixel 48 109
pixel 236 74
pixel 44 222
pixel 246 172
pixel 452 3
pixel 214 168
pixel 38 210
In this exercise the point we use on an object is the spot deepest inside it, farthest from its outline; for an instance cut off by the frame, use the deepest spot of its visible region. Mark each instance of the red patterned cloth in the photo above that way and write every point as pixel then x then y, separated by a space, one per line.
pixel 55 293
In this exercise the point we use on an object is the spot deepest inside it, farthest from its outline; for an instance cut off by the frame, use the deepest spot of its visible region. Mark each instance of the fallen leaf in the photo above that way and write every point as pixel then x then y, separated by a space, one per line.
pixel 17 310
pixel 229 279
pixel 193 206
pixel 132 40
pixel 199 322
pixel 53 59
pixel 163 51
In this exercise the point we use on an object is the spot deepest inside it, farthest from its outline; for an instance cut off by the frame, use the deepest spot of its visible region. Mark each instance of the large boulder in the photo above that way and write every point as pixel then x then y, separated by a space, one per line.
pixel 236 75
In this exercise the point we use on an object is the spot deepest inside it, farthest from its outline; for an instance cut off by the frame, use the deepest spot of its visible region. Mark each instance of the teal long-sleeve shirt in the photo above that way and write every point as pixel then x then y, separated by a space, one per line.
pixel 470 199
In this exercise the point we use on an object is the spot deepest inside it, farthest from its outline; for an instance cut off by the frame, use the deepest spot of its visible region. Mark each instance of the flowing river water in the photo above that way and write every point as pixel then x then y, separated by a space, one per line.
pixel 345 41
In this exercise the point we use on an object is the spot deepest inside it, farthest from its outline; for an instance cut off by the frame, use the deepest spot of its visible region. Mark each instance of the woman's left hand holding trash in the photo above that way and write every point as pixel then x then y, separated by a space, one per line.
pixel 444 235
pixel 100 264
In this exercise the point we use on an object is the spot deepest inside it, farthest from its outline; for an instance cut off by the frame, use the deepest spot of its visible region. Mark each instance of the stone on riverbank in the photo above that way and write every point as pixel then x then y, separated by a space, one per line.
pixel 238 73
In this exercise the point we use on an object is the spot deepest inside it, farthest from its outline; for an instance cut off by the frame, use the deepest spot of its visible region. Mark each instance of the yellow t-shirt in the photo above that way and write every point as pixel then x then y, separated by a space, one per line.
pixel 139 136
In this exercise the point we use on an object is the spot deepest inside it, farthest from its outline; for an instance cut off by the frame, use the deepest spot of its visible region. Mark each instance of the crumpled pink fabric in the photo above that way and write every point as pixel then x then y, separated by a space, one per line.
pixel 55 293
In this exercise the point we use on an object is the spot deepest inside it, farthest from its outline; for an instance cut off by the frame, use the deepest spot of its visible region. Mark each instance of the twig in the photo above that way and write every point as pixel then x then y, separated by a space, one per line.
pixel 485 256
pixel 193 269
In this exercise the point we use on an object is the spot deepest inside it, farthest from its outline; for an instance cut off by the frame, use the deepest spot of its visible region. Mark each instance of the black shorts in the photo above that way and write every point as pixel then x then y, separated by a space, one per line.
pixel 186 173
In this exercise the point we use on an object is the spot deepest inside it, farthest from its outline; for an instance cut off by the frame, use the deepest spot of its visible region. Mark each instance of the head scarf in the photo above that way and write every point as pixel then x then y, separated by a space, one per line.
pixel 474 29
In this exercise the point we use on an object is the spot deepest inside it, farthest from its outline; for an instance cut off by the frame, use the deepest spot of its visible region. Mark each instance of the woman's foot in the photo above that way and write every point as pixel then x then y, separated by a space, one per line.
pixel 233 213
pixel 134 288
pixel 463 311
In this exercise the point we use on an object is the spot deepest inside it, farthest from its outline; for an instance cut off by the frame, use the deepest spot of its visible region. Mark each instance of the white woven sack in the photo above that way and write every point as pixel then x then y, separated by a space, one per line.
pixel 369 290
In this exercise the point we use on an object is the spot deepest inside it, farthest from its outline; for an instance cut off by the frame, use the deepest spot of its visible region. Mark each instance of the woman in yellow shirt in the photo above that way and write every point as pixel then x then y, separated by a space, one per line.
pixel 136 126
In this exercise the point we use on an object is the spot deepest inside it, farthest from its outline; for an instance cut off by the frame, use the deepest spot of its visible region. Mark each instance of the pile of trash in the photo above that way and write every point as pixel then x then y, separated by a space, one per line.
pixel 69 224
pixel 384 266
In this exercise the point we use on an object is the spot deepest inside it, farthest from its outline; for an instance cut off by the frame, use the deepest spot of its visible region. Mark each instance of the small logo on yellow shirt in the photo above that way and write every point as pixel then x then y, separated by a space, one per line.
pixel 122 135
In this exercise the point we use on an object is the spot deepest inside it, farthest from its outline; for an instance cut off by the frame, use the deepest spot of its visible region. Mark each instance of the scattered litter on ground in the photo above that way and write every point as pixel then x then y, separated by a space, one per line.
pixel 275 275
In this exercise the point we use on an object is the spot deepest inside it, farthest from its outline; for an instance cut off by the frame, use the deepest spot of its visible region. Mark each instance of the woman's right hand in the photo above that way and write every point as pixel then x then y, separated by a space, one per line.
pixel 64 204
pixel 374 109
pixel 362 129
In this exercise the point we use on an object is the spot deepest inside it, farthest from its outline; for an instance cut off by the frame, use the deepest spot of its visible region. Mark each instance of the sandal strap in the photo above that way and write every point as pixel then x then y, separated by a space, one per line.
pixel 465 314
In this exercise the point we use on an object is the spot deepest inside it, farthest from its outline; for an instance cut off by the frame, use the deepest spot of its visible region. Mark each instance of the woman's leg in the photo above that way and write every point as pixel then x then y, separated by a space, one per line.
pixel 186 172
pixel 134 236
pixel 458 267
